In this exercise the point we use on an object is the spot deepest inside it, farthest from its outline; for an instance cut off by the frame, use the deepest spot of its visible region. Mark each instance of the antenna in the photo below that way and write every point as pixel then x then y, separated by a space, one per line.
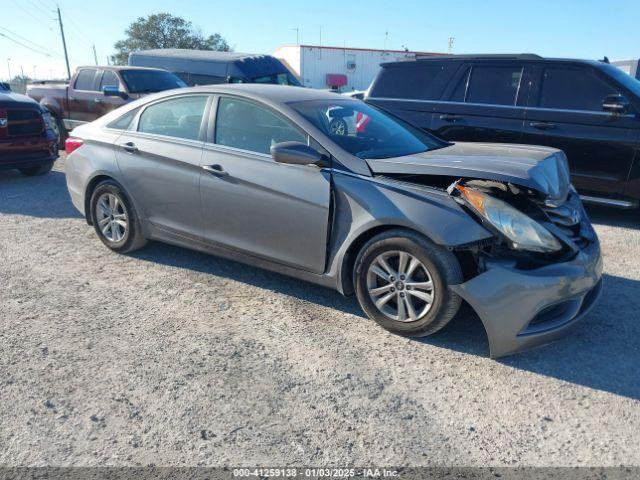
pixel 64 44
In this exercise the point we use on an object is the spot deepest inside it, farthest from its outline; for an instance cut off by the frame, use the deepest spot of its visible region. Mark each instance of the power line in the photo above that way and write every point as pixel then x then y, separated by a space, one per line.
pixel 25 45
pixel 24 39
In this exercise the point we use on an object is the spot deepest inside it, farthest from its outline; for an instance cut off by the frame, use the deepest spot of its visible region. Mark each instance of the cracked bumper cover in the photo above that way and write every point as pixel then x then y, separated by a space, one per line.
pixel 521 309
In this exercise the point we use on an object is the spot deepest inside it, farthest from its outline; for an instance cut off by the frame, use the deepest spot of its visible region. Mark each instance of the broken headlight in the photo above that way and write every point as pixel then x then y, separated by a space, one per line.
pixel 522 231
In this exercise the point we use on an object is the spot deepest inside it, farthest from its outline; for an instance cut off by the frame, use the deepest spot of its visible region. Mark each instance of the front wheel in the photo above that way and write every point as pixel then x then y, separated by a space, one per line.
pixel 402 282
pixel 115 219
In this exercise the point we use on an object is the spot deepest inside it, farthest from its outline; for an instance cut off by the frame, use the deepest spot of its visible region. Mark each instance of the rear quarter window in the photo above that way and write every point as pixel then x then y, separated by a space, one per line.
pixel 409 82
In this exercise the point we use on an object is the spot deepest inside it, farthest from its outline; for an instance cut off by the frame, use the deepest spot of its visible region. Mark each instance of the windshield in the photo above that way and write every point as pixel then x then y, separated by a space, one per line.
pixel 364 131
pixel 278 79
pixel 149 81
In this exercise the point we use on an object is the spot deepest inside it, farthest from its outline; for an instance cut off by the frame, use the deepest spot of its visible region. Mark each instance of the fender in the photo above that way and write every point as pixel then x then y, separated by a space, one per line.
pixel 364 203
pixel 54 106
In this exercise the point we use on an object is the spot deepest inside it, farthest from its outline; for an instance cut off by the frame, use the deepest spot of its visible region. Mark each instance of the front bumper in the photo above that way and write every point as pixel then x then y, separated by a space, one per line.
pixel 521 309
pixel 24 152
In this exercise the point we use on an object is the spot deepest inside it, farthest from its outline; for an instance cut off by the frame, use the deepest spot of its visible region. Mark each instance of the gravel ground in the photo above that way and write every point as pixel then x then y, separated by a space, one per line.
pixel 172 357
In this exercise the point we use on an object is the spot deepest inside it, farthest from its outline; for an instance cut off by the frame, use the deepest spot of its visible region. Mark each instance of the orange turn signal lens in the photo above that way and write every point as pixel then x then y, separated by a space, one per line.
pixel 475 198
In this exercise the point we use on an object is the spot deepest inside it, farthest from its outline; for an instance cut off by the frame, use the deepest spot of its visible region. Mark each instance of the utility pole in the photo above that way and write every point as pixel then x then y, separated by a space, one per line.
pixel 297 35
pixel 9 67
pixel 64 44
pixel 386 37
pixel 451 40
pixel 95 55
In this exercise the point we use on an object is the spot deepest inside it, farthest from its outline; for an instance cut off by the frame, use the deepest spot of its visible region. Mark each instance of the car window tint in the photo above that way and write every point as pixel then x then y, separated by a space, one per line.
pixel 124 122
pixel 415 81
pixel 572 89
pixel 85 79
pixel 494 85
pixel 179 117
pixel 247 126
pixel 109 79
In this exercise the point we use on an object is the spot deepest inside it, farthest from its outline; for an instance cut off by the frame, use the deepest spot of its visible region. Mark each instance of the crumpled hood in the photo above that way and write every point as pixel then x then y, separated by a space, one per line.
pixel 538 168
pixel 11 99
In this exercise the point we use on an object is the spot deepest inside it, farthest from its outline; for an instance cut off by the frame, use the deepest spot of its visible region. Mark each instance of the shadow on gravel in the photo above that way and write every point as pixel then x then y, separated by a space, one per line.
pixel 602 352
pixel 614 217
pixel 220 267
pixel 42 197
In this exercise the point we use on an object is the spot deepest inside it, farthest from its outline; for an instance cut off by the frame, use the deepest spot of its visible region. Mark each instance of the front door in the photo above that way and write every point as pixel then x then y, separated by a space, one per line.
pixel 160 163
pixel 484 104
pixel 566 112
pixel 254 205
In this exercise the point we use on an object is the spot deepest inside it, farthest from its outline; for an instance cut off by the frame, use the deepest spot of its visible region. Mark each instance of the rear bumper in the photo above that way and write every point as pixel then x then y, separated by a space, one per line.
pixel 24 152
pixel 521 309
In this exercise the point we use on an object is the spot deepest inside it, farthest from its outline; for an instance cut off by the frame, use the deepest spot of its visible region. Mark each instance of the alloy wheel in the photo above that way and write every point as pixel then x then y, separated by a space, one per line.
pixel 111 217
pixel 400 286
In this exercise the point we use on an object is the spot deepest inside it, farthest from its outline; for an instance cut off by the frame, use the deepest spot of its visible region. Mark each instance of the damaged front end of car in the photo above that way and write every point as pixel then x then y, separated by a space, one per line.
pixel 541 271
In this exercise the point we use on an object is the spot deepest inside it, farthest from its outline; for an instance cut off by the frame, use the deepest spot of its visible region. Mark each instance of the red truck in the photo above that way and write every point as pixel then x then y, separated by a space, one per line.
pixel 28 141
pixel 95 91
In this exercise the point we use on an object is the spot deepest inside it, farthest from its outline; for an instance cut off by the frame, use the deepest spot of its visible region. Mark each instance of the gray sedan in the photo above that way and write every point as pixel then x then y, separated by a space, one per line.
pixel 411 224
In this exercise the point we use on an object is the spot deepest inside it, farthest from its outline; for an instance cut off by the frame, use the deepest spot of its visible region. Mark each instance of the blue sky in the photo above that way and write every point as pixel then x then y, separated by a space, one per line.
pixel 570 28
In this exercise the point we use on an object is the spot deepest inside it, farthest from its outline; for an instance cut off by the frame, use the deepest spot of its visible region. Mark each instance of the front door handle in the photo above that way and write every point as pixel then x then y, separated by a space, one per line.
pixel 216 170
pixel 450 118
pixel 97 100
pixel 129 147
pixel 542 125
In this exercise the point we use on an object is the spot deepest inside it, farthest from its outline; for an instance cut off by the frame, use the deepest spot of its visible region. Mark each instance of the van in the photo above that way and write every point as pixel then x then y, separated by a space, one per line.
pixel 206 67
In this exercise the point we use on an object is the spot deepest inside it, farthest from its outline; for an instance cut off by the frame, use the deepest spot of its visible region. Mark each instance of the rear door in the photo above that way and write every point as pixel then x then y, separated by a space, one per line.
pixel 565 112
pixel 82 96
pixel 160 164
pixel 255 205
pixel 485 103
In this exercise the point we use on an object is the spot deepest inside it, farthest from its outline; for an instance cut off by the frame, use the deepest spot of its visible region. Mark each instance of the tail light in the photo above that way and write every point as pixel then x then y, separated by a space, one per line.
pixel 72 144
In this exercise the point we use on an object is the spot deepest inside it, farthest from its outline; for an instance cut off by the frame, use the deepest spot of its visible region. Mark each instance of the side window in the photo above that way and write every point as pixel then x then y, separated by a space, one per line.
pixel 572 89
pixel 109 79
pixel 86 79
pixel 179 117
pixel 494 85
pixel 247 126
pixel 461 89
pixel 414 81
pixel 124 122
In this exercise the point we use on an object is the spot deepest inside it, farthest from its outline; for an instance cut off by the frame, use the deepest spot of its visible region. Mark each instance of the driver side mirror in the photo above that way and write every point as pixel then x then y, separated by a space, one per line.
pixel 113 91
pixel 295 153
pixel 615 104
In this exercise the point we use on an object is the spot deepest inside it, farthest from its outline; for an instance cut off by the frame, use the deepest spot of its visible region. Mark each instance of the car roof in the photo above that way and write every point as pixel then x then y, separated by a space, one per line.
pixel 520 57
pixel 118 68
pixel 274 93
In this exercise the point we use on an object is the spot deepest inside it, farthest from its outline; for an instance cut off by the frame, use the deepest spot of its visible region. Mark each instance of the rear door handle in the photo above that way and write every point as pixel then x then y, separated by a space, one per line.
pixel 216 170
pixel 543 125
pixel 97 100
pixel 450 118
pixel 129 147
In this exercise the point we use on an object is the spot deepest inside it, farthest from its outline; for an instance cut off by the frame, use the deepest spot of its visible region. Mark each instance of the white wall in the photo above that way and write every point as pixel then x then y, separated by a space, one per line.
pixel 312 64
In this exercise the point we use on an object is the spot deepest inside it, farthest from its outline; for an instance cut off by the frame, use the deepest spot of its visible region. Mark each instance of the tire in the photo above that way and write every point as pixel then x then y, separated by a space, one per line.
pixel 338 127
pixel 37 171
pixel 61 131
pixel 123 234
pixel 435 265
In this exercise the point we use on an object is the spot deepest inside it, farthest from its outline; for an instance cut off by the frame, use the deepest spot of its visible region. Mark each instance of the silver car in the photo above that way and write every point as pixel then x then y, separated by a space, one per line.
pixel 411 224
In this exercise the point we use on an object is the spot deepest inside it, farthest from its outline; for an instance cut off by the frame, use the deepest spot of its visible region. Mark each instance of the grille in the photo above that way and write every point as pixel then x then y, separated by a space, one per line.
pixel 24 122
pixel 568 218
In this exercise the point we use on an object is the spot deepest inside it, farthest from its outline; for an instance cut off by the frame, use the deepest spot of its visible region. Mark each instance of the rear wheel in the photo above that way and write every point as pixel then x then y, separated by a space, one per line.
pixel 58 128
pixel 402 282
pixel 36 171
pixel 115 219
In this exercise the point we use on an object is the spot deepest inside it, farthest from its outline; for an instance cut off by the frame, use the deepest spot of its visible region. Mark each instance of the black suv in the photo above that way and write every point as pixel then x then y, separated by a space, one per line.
pixel 589 109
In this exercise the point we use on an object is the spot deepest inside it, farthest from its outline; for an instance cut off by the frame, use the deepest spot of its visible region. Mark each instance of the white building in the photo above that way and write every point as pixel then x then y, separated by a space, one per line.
pixel 341 68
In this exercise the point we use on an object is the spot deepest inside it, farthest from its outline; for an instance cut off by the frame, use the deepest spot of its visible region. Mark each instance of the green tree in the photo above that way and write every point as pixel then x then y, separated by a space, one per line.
pixel 163 30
